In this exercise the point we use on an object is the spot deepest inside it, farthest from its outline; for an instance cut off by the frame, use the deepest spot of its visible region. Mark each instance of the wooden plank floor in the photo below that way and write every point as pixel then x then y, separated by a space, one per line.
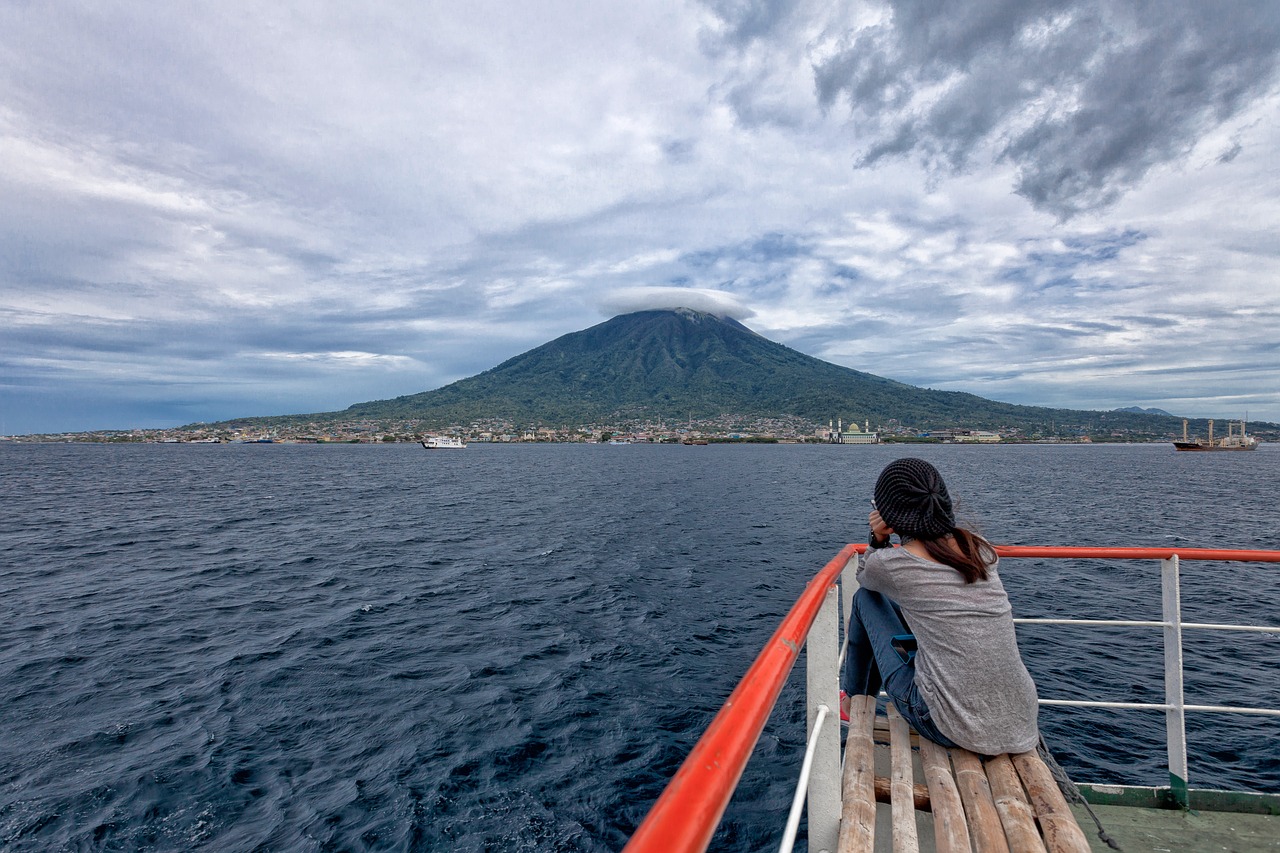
pixel 993 805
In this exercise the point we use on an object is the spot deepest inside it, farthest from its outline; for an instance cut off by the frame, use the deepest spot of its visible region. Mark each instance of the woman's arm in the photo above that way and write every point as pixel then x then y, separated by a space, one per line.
pixel 880 531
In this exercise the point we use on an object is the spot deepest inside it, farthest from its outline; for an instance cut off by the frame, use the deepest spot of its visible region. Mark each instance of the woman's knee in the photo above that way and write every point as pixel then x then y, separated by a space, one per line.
pixel 866 601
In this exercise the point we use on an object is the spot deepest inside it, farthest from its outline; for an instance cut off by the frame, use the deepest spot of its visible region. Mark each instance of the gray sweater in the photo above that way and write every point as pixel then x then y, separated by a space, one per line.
pixel 967 664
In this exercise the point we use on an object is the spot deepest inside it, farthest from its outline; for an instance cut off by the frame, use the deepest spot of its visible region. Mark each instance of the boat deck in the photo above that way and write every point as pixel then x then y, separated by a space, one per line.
pixel 1139 826
pixel 1140 830
pixel 1136 829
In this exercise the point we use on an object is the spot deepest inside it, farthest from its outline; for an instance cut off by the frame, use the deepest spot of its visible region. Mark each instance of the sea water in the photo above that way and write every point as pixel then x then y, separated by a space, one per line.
pixel 276 647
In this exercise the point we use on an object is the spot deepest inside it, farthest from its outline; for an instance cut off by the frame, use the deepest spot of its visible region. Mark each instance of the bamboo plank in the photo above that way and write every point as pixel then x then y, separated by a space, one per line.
pixel 951 834
pixel 979 805
pixel 1011 802
pixel 882 733
pixel 902 784
pixel 1061 832
pixel 858 811
pixel 919 793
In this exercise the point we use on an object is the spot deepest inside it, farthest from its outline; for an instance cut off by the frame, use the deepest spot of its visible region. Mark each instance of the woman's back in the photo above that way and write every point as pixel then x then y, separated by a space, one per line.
pixel 968 668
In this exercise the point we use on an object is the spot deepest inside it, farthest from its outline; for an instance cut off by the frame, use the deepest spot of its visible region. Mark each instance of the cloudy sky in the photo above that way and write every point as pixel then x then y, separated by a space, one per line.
pixel 211 210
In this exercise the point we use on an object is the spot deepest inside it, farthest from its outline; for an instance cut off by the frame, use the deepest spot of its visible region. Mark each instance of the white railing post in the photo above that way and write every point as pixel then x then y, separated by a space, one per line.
pixel 822 682
pixel 848 586
pixel 1174 716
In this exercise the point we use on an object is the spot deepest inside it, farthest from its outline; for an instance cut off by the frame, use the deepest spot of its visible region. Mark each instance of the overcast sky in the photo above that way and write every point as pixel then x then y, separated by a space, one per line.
pixel 210 210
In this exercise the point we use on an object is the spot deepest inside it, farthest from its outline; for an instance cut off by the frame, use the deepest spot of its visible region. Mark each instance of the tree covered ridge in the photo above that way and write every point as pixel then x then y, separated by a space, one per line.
pixel 682 364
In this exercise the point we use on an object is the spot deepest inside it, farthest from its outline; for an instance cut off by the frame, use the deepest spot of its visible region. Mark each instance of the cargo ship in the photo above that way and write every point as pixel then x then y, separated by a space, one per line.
pixel 1233 440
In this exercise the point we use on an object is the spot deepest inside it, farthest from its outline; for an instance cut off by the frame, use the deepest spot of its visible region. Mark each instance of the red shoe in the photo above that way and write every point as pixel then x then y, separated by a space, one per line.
pixel 844 715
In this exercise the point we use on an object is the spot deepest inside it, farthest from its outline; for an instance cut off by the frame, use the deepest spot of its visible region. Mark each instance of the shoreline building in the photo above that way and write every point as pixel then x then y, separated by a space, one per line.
pixel 836 433
pixel 965 436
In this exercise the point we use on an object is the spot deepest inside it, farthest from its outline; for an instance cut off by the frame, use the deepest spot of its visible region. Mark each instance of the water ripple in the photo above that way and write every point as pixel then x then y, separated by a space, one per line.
pixel 372 648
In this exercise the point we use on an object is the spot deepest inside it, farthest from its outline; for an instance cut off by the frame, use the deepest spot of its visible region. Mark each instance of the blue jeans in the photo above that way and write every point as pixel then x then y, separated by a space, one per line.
pixel 872 662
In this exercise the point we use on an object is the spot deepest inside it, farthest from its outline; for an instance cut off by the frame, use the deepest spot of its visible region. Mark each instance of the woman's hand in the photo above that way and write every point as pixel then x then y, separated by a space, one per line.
pixel 879 530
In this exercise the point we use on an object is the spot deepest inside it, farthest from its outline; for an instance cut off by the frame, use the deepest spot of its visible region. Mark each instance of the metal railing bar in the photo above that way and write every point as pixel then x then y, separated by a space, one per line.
pixel 1087 553
pixel 1155 706
pixel 1114 622
pixel 1228 709
pixel 802 787
pixel 1203 626
pixel 1090 703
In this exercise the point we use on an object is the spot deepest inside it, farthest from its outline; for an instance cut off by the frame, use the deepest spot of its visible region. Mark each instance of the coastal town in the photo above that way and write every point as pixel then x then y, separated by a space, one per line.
pixel 722 429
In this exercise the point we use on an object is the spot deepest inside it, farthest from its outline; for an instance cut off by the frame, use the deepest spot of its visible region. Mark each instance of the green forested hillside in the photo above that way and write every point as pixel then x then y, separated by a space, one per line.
pixel 680 364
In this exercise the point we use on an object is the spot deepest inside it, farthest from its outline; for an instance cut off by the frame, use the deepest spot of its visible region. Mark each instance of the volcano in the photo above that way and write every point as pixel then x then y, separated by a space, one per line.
pixel 680 364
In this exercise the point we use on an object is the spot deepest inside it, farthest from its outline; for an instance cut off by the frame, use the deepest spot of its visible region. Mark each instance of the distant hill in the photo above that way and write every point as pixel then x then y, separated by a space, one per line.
pixel 683 364
pixel 1142 411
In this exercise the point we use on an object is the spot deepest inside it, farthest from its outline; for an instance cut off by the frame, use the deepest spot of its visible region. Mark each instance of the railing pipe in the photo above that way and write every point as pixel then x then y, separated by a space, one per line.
pixel 1159 706
pixel 1231 709
pixel 806 776
pixel 686 814
pixel 1114 623
pixel 1142 623
pixel 1082 552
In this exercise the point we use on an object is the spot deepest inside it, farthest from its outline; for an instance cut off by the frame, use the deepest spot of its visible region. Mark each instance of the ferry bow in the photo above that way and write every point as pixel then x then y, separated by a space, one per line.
pixel 685 816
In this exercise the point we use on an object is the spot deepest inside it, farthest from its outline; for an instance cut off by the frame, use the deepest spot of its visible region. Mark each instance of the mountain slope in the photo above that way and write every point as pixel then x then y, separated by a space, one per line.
pixel 679 364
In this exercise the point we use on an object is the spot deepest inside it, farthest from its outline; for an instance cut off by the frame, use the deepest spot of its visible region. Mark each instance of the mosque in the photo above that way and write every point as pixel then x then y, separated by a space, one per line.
pixel 836 433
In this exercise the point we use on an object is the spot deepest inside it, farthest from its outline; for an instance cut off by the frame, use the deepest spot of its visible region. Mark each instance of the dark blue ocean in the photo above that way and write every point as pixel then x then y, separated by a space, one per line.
pixel 278 647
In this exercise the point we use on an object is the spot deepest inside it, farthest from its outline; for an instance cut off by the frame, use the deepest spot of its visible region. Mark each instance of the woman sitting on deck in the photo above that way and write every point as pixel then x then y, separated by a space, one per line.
pixel 966 685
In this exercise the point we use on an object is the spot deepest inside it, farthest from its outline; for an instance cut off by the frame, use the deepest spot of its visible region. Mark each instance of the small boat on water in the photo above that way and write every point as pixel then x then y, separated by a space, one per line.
pixel 444 442
pixel 1233 440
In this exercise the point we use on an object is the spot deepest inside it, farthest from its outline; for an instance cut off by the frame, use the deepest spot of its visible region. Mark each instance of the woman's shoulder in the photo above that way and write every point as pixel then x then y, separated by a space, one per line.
pixel 901 558
pixel 886 555
pixel 902 562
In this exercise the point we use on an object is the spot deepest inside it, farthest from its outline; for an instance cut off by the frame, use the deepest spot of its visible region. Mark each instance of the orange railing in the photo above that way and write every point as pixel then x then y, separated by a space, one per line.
pixel 686 815
pixel 1081 553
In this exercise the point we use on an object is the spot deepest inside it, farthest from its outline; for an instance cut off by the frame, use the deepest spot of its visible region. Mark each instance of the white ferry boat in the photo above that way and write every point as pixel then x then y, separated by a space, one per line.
pixel 444 442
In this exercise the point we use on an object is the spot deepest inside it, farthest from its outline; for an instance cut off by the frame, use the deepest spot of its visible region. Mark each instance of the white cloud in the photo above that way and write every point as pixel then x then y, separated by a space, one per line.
pixel 627 300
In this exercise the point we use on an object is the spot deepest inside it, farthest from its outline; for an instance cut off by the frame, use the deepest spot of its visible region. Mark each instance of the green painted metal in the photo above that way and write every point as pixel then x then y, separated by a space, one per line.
pixel 1178 788
pixel 1199 799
